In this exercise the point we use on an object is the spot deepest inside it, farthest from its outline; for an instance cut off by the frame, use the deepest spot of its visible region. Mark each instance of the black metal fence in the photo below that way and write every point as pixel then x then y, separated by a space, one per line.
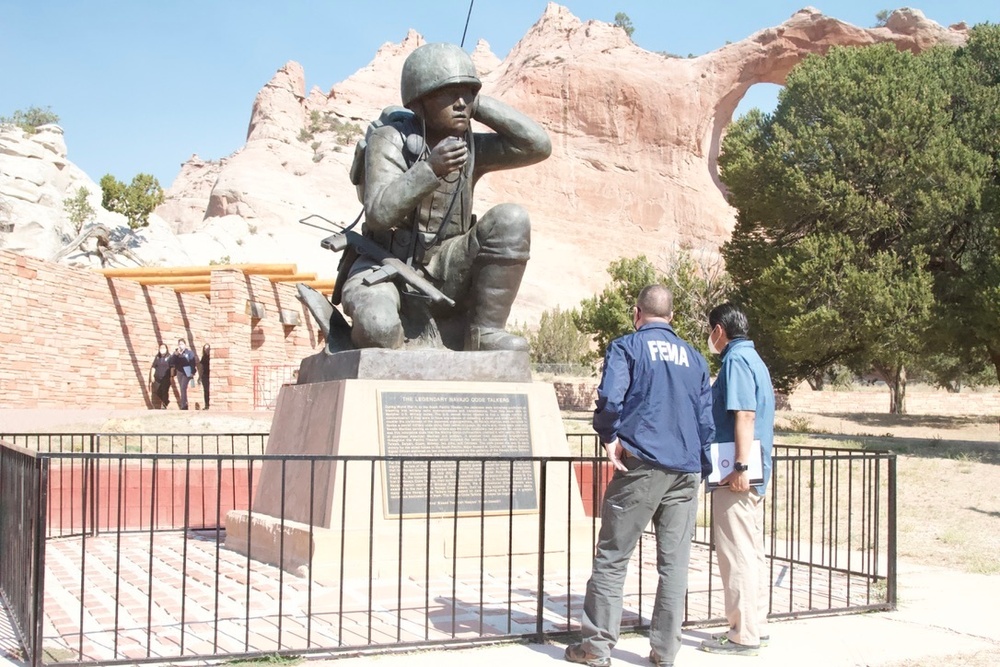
pixel 23 491
pixel 139 443
pixel 150 556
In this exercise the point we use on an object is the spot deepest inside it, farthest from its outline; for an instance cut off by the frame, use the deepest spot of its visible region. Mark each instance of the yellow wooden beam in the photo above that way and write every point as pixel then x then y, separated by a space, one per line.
pixel 174 280
pixel 154 271
pixel 193 288
pixel 321 286
pixel 291 278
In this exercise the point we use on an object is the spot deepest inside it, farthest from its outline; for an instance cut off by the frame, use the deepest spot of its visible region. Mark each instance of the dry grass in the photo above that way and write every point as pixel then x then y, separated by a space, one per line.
pixel 947 505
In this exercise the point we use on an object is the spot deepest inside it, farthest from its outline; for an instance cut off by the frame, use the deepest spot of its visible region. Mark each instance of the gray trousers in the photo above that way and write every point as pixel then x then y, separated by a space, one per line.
pixel 632 500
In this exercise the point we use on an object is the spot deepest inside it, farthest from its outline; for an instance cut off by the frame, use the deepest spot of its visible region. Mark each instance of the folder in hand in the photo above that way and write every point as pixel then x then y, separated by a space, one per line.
pixel 723 456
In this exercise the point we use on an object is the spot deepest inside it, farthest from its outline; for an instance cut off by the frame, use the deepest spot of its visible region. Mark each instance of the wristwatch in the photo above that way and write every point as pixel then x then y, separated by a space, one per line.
pixel 740 467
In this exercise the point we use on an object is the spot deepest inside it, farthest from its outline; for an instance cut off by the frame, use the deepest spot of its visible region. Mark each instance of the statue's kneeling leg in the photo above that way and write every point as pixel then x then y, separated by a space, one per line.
pixel 374 311
pixel 504 236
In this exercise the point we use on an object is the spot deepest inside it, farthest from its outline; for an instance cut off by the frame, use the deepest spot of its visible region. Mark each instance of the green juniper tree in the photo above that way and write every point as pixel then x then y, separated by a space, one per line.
pixel 78 209
pixel 625 23
pixel 135 201
pixel 967 270
pixel 697 286
pixel 848 197
pixel 608 315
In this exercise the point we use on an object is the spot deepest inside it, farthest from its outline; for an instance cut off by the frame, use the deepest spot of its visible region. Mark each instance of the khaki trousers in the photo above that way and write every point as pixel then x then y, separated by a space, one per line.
pixel 738 528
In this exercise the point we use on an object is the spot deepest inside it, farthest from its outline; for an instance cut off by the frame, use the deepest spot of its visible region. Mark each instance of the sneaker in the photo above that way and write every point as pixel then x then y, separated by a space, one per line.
pixel 575 653
pixel 764 639
pixel 726 647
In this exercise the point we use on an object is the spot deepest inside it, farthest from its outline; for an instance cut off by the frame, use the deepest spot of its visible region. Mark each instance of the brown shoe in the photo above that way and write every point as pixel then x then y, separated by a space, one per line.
pixel 575 653
pixel 655 659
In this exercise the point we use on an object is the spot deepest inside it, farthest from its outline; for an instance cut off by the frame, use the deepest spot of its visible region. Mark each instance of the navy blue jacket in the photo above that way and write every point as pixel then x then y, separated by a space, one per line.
pixel 656 397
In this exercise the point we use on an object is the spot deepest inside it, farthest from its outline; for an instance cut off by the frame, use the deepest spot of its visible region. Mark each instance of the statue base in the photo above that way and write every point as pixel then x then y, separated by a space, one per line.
pixel 385 506
pixel 430 364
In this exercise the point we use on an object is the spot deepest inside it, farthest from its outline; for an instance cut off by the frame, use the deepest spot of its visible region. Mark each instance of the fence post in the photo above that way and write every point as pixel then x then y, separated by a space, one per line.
pixel 38 564
pixel 540 592
pixel 890 583
pixel 91 467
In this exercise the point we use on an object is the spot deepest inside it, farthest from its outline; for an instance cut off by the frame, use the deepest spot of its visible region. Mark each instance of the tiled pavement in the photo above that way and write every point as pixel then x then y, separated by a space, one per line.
pixel 186 595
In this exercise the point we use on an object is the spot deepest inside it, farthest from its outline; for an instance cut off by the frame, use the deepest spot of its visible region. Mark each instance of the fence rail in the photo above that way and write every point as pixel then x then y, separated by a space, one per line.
pixel 161 557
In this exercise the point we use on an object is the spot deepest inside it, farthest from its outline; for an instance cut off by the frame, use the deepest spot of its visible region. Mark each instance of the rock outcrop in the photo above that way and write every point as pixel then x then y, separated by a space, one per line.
pixel 636 137
pixel 36 178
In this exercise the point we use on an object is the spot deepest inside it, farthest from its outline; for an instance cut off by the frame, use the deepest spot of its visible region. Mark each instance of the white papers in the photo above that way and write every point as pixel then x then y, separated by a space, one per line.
pixel 723 455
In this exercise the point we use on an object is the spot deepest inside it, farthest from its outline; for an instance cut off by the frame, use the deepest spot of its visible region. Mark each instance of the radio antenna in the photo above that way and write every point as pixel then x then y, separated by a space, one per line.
pixel 467 17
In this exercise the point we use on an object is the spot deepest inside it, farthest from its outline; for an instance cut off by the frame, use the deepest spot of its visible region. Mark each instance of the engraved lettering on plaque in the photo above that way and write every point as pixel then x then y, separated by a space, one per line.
pixel 431 424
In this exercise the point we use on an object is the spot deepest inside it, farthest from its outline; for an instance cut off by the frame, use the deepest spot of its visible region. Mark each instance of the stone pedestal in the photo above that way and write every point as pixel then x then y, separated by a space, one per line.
pixel 361 517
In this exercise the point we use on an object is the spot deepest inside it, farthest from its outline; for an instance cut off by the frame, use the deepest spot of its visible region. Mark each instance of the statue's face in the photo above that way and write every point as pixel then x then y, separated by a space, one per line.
pixel 448 111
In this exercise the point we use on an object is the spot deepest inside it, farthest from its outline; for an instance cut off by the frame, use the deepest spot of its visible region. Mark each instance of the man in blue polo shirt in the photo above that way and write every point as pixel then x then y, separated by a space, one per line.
pixel 743 408
pixel 654 416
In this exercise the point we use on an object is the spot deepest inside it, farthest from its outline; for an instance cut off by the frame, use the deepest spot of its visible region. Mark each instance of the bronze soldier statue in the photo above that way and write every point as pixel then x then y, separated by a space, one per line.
pixel 419 172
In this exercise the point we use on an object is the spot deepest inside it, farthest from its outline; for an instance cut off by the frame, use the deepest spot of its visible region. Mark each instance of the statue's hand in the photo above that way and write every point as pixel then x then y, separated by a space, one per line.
pixel 448 155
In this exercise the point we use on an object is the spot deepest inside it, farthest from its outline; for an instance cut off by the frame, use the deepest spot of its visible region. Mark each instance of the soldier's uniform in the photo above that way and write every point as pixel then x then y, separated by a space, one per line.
pixel 428 220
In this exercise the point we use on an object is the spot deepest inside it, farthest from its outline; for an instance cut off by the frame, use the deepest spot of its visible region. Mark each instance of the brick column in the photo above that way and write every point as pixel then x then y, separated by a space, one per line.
pixel 232 368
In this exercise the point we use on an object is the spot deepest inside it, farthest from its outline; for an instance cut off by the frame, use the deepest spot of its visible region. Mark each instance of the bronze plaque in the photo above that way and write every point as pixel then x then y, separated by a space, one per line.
pixel 456 425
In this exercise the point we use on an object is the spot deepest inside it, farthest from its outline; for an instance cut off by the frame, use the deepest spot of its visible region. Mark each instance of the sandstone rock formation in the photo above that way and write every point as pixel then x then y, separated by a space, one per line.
pixel 635 134
pixel 36 177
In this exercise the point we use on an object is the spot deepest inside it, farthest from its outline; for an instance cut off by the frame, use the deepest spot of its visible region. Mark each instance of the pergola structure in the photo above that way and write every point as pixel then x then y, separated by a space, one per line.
pixel 198 279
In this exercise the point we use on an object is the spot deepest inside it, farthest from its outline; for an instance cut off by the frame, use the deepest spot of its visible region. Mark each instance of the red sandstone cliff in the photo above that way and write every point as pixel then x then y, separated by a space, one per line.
pixel 635 138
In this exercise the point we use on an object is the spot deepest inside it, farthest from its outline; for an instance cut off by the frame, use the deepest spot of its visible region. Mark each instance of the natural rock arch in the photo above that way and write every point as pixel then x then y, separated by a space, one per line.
pixel 636 139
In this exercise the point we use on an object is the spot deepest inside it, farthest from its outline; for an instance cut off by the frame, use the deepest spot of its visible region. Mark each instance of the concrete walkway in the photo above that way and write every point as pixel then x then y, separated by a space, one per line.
pixel 943 618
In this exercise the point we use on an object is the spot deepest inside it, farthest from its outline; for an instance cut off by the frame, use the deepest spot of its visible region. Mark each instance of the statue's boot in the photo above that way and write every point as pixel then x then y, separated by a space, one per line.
pixel 494 287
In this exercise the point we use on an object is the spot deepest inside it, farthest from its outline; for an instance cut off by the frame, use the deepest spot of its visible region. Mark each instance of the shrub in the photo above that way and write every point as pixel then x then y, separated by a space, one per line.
pixel 78 209
pixel 557 339
pixel 135 201
pixel 30 119
pixel 623 21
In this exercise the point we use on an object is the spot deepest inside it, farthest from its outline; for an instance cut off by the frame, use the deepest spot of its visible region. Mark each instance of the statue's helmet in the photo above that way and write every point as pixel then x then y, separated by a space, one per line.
pixel 434 66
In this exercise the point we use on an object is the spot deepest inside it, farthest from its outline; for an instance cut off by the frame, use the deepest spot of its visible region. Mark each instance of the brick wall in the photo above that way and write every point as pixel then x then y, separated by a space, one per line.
pixel 71 337
pixel 576 395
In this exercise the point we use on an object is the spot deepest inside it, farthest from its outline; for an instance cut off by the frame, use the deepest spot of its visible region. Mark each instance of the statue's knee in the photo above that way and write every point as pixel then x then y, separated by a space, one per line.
pixel 374 312
pixel 505 231
pixel 377 328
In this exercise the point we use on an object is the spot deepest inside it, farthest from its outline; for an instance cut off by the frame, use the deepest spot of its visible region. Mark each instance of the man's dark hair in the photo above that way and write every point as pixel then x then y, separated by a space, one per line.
pixel 733 320
pixel 656 301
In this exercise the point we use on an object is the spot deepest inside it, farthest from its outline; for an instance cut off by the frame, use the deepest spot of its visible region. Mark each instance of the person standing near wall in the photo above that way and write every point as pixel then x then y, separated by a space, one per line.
pixel 743 410
pixel 185 365
pixel 204 371
pixel 159 379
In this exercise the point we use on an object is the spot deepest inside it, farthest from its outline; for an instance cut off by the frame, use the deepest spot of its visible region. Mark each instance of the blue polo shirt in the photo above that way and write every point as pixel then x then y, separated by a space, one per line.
pixel 656 397
pixel 744 383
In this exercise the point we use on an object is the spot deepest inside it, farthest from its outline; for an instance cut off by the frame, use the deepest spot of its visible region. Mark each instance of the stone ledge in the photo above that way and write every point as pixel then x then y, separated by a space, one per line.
pixel 447 365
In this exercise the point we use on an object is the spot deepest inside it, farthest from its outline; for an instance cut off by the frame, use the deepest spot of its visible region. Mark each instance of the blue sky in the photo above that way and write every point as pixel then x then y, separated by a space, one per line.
pixel 140 85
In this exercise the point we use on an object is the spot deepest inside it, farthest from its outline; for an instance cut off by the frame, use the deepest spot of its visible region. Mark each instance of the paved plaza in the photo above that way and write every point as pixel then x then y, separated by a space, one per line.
pixel 187 595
